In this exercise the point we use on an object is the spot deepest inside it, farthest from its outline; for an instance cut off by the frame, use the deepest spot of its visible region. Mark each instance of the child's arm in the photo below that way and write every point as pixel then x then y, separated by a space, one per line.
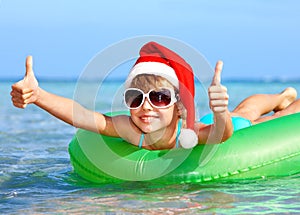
pixel 27 91
pixel 222 127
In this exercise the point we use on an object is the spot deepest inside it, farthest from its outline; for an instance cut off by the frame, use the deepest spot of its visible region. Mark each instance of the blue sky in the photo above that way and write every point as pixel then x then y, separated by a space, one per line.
pixel 255 39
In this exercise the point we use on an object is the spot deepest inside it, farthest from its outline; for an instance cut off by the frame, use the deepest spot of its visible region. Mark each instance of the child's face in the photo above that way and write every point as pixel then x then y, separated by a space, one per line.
pixel 150 117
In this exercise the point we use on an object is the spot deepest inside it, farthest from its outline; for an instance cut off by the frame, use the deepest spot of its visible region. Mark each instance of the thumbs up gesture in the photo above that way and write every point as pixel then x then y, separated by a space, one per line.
pixel 25 91
pixel 218 97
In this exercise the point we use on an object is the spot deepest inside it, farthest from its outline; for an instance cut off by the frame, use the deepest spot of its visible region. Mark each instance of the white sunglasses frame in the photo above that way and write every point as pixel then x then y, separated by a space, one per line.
pixel 146 95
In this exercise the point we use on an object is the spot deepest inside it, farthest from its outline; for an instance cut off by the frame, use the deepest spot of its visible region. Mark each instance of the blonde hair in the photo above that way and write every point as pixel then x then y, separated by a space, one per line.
pixel 147 82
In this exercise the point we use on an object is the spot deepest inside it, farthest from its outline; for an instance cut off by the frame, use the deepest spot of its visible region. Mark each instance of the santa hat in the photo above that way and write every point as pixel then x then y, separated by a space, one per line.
pixel 158 60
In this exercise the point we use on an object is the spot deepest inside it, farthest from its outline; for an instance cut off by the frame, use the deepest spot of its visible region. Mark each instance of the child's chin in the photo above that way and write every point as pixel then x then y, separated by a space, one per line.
pixel 147 129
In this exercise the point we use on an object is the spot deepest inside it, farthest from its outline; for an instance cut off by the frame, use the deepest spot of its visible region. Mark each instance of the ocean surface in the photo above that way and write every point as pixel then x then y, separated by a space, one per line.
pixel 36 176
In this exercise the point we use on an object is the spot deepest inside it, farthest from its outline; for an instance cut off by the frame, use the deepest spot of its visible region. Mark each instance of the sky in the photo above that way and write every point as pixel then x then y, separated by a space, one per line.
pixel 256 39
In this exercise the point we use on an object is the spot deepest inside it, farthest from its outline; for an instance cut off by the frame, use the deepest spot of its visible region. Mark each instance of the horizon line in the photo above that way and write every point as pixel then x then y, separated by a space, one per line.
pixel 231 79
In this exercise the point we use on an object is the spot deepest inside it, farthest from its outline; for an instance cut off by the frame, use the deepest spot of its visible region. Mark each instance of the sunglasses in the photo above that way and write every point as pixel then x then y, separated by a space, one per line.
pixel 160 98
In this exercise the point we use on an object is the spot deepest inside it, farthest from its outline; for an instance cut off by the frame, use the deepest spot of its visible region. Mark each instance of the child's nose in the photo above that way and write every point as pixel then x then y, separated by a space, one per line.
pixel 146 105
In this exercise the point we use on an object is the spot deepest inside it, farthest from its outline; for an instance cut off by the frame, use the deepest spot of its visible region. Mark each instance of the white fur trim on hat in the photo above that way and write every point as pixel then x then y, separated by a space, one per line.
pixel 188 138
pixel 153 68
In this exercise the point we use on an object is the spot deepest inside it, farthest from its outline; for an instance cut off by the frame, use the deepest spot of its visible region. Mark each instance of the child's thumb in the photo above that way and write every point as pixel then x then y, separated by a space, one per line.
pixel 28 64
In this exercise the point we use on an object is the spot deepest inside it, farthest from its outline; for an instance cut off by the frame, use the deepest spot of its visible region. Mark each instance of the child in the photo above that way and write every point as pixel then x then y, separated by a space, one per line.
pixel 160 96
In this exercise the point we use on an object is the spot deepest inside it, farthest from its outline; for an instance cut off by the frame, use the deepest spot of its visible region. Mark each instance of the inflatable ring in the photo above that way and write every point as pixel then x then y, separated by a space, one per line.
pixel 264 150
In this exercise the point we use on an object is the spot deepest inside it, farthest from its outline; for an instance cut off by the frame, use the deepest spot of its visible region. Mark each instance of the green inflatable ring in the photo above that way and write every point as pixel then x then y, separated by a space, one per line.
pixel 265 150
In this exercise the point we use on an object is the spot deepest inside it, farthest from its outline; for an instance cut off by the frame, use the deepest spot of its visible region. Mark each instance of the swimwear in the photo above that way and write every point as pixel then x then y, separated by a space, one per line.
pixel 177 135
pixel 237 121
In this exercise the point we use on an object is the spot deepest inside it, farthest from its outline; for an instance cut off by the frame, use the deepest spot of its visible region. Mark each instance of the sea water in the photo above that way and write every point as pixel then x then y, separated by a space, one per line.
pixel 36 176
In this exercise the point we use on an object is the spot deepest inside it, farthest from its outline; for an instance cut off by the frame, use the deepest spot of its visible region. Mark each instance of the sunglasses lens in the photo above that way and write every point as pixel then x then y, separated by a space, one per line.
pixel 133 98
pixel 160 98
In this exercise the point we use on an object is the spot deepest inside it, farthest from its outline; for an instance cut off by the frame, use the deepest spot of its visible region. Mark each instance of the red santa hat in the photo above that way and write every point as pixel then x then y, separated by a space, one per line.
pixel 158 60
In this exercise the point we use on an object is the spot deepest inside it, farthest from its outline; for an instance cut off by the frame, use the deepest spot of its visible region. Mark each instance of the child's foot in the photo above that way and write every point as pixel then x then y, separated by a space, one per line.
pixel 290 95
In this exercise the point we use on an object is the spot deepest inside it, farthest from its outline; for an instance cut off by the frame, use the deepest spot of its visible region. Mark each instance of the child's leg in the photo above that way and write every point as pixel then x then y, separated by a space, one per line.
pixel 292 108
pixel 255 106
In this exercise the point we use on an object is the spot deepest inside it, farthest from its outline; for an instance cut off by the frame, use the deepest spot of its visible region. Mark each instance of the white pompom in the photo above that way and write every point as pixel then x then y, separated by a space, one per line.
pixel 188 138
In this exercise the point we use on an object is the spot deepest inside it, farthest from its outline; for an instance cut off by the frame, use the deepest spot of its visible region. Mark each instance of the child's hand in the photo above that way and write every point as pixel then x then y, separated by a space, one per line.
pixel 25 91
pixel 218 97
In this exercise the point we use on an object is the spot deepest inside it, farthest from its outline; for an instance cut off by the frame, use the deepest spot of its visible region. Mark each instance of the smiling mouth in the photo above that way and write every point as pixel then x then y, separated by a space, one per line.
pixel 148 118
